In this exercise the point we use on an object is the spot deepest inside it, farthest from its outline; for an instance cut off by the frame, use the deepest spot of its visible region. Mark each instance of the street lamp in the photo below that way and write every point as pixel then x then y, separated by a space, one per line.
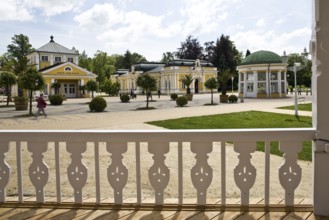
pixel 232 78
pixel 296 67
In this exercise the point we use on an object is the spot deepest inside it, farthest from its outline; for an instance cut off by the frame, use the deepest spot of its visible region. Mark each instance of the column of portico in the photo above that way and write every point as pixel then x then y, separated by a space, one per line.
pixel 245 87
pixel 255 78
pixel 279 83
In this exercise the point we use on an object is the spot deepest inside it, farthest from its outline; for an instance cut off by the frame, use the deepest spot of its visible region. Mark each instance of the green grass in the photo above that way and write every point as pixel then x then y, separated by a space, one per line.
pixel 250 119
pixel 301 107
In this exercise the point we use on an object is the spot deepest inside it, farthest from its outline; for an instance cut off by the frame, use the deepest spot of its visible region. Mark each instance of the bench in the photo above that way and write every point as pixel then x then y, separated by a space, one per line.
pixel 301 99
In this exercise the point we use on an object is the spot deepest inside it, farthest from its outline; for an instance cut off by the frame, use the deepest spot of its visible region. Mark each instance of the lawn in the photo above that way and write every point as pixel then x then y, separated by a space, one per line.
pixel 250 119
pixel 301 107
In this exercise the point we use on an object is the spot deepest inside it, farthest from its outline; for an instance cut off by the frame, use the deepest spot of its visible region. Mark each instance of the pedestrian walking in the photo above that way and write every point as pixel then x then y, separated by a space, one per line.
pixel 159 93
pixel 41 105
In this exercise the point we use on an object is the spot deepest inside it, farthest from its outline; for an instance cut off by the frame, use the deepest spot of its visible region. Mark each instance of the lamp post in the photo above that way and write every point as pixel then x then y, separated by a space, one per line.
pixel 232 78
pixel 296 67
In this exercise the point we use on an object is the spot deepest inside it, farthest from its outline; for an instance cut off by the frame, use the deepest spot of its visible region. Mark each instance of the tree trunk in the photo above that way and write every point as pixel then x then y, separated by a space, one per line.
pixel 31 102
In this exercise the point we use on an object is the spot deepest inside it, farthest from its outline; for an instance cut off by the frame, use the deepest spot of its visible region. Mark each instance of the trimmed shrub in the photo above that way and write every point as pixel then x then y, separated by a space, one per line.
pixel 181 101
pixel 56 99
pixel 97 104
pixel 232 99
pixel 124 98
pixel 173 96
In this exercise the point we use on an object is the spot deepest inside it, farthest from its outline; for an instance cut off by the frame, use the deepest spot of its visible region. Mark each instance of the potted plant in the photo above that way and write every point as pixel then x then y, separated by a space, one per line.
pixel 187 80
pixel 223 78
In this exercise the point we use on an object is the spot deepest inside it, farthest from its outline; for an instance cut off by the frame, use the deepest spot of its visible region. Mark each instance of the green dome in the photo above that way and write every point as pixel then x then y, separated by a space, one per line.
pixel 261 57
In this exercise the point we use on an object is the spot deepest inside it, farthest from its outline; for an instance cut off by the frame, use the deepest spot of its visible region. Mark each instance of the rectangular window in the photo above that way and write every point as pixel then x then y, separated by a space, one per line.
pixel 274 76
pixel 58 59
pixel 70 59
pixel 261 87
pixel 250 76
pixel 44 58
pixel 261 76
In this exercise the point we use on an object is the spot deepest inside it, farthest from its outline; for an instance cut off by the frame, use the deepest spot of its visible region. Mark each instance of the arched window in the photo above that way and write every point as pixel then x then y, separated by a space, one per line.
pixel 67 68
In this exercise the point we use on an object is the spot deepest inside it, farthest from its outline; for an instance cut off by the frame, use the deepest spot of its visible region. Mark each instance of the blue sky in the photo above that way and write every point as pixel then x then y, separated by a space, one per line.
pixel 153 27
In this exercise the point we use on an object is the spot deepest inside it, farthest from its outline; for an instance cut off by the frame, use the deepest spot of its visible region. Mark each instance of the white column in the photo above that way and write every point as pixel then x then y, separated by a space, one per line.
pixel 279 83
pixel 320 81
pixel 255 78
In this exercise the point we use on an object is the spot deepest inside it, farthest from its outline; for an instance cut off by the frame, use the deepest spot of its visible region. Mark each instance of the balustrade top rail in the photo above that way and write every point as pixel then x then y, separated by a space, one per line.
pixel 282 134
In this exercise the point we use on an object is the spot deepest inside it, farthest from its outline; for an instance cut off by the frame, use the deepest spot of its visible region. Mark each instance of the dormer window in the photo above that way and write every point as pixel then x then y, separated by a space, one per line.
pixel 70 59
pixel 67 69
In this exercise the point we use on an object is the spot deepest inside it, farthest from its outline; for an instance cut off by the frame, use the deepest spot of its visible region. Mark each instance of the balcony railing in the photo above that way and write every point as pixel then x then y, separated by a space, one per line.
pixel 106 167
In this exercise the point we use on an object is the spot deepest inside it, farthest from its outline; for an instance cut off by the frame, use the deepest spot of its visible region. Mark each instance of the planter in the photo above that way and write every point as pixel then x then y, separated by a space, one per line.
pixel 189 97
pixel 223 98
pixel 21 103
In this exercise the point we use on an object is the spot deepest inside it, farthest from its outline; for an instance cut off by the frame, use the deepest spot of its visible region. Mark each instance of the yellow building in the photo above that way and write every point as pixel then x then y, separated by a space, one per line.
pixel 168 75
pixel 59 64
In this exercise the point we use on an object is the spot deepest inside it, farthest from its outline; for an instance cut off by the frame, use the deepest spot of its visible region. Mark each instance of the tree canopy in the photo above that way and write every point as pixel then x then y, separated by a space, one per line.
pixel 148 84
pixel 190 49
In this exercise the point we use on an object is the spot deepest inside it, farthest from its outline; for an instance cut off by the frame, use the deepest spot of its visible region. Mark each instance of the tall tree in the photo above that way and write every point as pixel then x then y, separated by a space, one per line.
pixel 226 58
pixel 167 56
pixel 85 61
pixel 209 48
pixel 148 84
pixel 190 49
pixel 98 66
pixel 303 75
pixel 7 80
pixel 18 50
pixel 32 80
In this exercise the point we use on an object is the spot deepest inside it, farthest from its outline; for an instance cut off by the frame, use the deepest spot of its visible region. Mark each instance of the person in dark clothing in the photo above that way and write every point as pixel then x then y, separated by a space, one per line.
pixel 41 105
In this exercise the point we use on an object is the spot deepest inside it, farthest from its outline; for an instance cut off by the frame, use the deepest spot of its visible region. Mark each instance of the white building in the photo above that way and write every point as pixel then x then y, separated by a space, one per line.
pixel 262 74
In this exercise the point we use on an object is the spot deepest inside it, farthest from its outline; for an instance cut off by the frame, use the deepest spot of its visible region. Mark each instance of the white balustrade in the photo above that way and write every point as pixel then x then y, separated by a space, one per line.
pixel 40 156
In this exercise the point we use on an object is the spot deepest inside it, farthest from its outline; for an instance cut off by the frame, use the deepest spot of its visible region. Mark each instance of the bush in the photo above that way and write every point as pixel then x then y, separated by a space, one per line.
pixel 124 98
pixel 181 101
pixel 97 104
pixel 173 96
pixel 56 99
pixel 232 99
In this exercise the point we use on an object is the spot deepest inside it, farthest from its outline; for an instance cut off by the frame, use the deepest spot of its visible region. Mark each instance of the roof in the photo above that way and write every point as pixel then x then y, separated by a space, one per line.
pixel 186 62
pixel 147 66
pixel 262 57
pixel 53 47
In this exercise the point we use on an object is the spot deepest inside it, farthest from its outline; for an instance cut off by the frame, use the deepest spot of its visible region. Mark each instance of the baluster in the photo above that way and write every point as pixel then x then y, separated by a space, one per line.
pixel 77 172
pixel 159 173
pixel 201 173
pixel 117 172
pixel 290 173
pixel 38 170
pixel 245 172
pixel 4 170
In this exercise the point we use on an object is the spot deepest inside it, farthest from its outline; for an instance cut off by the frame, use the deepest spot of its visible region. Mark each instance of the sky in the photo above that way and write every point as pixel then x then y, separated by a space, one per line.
pixel 153 27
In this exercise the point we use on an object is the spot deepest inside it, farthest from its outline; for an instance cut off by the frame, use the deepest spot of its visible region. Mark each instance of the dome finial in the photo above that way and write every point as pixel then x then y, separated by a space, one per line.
pixel 52 38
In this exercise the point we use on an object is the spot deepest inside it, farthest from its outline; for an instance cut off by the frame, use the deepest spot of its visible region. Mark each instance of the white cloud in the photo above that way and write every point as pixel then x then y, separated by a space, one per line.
pixel 277 42
pixel 50 8
pixel 24 10
pixel 203 16
pixel 15 10
pixel 261 23
pixel 118 28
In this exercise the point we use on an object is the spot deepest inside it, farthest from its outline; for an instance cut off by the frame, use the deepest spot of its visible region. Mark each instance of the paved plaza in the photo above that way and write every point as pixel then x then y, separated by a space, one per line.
pixel 74 114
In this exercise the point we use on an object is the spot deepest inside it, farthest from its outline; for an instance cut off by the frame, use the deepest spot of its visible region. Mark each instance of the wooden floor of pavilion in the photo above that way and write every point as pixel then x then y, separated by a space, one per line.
pixel 68 211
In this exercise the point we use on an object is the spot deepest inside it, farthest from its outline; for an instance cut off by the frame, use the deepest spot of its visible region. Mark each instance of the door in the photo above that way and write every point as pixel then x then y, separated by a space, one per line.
pixel 70 90
pixel 196 86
